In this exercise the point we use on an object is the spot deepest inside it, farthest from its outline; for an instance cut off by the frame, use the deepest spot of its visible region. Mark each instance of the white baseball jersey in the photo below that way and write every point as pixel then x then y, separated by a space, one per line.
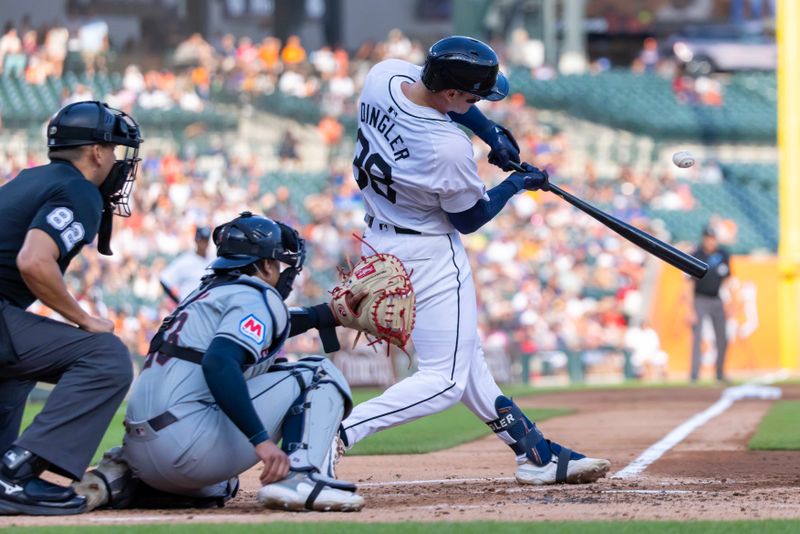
pixel 412 163
pixel 184 273
pixel 414 166
pixel 238 312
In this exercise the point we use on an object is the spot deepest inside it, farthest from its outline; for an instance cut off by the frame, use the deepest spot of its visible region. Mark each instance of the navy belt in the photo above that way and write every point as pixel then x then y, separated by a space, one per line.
pixel 158 422
pixel 369 219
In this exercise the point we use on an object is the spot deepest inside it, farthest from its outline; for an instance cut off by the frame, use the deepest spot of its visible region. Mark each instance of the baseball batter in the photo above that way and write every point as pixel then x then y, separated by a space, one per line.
pixel 211 402
pixel 419 180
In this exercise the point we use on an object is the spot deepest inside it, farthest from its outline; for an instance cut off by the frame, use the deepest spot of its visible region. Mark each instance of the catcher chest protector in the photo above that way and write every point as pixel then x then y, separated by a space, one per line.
pixel 465 64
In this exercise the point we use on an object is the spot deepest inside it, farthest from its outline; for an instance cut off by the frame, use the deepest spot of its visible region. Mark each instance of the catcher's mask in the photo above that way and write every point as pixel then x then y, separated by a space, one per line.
pixel 90 123
pixel 250 238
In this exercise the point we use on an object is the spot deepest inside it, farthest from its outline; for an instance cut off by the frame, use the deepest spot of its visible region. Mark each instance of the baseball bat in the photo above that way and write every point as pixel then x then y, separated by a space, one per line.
pixel 677 258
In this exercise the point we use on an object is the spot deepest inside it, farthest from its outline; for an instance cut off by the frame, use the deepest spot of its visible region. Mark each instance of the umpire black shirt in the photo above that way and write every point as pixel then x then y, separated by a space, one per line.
pixel 718 269
pixel 56 199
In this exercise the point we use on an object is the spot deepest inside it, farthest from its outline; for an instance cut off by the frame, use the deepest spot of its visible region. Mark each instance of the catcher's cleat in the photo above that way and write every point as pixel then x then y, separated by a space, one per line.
pixel 110 484
pixel 564 466
pixel 308 491
pixel 23 492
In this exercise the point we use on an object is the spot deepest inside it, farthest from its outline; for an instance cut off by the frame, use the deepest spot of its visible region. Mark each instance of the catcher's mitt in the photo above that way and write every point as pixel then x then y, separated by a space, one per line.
pixel 375 297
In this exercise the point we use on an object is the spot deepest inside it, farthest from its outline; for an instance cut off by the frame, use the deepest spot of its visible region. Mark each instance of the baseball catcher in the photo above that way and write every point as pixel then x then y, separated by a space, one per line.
pixel 212 401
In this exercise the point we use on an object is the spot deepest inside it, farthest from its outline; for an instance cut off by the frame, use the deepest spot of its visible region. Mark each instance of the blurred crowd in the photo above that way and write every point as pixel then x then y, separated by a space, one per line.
pixel 198 68
pixel 36 53
pixel 547 280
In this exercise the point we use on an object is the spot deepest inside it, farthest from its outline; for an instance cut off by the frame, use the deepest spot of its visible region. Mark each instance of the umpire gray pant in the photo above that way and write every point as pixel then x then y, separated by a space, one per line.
pixel 713 308
pixel 91 373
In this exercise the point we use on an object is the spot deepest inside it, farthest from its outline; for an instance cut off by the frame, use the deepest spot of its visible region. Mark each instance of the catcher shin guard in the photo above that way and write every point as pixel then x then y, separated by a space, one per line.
pixel 314 418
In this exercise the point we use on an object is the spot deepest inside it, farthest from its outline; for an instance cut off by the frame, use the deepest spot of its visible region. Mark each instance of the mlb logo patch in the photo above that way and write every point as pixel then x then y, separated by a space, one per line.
pixel 252 328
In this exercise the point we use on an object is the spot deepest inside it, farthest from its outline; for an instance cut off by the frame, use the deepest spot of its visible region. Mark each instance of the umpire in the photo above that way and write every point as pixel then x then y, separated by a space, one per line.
pixel 49 213
pixel 706 301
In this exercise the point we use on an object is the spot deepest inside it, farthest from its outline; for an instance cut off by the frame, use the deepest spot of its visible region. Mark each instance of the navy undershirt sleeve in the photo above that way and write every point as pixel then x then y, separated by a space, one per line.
pixel 484 210
pixel 222 365
pixel 477 122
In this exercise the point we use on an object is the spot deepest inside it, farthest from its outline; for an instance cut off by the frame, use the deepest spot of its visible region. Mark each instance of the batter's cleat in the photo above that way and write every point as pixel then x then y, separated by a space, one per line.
pixel 309 491
pixel 565 466
pixel 334 456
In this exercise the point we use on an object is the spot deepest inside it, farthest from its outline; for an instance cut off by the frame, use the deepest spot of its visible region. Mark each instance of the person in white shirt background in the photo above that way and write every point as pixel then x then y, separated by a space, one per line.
pixel 181 275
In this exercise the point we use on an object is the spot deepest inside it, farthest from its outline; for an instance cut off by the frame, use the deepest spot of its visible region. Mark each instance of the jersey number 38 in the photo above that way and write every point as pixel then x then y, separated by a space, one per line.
pixel 373 168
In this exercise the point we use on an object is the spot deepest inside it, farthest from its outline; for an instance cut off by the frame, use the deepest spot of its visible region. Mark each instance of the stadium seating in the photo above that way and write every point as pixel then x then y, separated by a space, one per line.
pixel 23 104
pixel 748 196
pixel 645 104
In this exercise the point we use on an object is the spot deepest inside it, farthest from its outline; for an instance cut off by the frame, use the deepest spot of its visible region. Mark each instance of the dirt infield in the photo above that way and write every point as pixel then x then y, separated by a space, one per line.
pixel 709 475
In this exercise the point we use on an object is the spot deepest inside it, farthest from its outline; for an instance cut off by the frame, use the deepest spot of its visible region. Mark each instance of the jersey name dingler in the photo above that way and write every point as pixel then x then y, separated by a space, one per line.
pixel 384 123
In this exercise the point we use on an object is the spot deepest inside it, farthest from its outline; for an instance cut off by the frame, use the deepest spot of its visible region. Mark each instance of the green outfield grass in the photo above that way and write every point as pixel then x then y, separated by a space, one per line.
pixel 779 430
pixel 561 527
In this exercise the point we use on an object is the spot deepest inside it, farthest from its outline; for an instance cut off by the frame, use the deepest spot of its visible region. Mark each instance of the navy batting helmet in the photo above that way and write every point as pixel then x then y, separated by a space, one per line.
pixel 250 238
pixel 89 123
pixel 465 64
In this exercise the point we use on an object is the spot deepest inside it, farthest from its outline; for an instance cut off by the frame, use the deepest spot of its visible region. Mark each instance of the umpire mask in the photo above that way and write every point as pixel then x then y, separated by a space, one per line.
pixel 90 123
pixel 116 188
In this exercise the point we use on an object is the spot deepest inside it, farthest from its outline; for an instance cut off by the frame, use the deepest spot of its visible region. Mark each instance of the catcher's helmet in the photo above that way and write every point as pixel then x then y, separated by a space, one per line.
pixel 89 123
pixel 465 64
pixel 250 238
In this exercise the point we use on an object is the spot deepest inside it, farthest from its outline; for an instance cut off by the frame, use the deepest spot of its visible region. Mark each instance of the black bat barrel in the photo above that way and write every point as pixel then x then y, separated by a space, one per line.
pixel 677 258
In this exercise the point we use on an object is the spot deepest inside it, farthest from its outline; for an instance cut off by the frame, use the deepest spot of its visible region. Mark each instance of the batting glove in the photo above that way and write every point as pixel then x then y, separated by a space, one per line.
pixel 532 179
pixel 504 148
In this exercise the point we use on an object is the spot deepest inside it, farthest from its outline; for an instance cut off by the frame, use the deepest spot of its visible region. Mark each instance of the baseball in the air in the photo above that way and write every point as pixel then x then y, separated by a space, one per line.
pixel 684 159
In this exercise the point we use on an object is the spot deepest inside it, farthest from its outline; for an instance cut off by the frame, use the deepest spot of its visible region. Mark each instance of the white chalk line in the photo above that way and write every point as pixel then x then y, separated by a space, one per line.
pixel 439 506
pixel 541 489
pixel 439 481
pixel 654 491
pixel 752 390
pixel 125 519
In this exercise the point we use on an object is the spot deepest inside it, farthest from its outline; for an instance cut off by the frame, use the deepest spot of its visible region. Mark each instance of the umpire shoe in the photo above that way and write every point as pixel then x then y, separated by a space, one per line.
pixel 23 492
pixel 309 491
pixel 564 466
